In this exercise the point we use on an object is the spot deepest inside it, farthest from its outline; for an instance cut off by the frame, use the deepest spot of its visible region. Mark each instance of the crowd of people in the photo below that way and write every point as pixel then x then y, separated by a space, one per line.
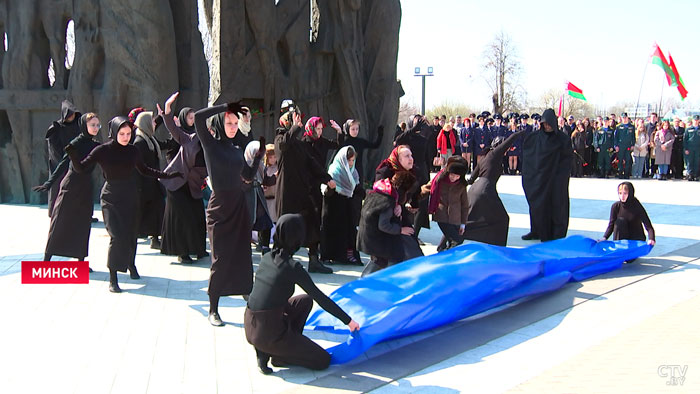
pixel 605 146
pixel 306 190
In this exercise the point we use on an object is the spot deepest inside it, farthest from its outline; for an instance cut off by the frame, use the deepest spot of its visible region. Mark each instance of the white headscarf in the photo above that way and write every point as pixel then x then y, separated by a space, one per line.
pixel 250 151
pixel 345 177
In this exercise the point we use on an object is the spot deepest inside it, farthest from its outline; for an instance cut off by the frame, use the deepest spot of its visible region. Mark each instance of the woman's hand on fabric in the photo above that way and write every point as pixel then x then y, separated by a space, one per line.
pixel 601 240
pixel 407 231
pixel 353 326
pixel 331 184
pixel 651 242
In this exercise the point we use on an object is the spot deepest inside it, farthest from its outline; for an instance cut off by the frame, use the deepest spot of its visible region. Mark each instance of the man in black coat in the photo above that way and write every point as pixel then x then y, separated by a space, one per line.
pixel 547 156
pixel 298 183
pixel 61 133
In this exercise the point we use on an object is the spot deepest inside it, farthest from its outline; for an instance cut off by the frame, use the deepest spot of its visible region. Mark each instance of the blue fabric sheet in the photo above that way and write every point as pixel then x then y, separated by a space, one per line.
pixel 431 291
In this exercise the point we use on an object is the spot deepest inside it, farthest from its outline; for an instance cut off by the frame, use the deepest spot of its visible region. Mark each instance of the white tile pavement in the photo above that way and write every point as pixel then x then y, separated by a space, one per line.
pixel 155 338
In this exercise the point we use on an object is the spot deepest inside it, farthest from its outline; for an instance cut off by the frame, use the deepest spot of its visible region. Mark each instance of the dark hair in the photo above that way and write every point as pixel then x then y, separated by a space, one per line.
pixel 351 152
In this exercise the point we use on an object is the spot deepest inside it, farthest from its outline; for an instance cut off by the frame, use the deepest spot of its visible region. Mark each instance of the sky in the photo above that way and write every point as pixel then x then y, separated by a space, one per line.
pixel 600 46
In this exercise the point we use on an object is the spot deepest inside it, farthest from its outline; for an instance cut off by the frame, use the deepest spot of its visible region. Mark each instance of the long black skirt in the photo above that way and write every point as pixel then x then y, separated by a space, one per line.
pixel 184 227
pixel 488 219
pixel 338 233
pixel 151 207
pixel 53 193
pixel 71 219
pixel 119 200
pixel 229 228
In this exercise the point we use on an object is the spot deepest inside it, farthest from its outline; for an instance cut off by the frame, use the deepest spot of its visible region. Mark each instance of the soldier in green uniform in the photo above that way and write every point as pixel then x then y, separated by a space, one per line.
pixel 603 144
pixel 691 146
pixel 624 142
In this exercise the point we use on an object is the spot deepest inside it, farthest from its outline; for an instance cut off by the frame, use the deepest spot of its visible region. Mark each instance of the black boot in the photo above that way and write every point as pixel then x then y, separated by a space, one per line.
pixel 315 265
pixel 185 259
pixel 155 243
pixel 530 236
pixel 113 284
pixel 133 273
pixel 202 255
pixel 263 358
pixel 442 245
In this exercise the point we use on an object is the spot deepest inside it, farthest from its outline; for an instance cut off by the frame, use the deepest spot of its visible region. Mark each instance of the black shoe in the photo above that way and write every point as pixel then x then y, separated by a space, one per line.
pixel 529 236
pixel 114 288
pixel 246 297
pixel 420 242
pixel 94 220
pixel 202 255
pixel 263 358
pixel 215 320
pixel 185 259
pixel 90 270
pixel 133 273
pixel 316 266
pixel 155 243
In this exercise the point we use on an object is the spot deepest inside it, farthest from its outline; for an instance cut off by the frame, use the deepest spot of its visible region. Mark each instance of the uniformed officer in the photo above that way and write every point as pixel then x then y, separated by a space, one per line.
pixel 482 136
pixel 603 143
pixel 691 146
pixel 624 142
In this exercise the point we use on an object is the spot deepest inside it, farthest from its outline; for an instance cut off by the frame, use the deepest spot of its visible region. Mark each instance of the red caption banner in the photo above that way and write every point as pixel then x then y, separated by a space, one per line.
pixel 55 272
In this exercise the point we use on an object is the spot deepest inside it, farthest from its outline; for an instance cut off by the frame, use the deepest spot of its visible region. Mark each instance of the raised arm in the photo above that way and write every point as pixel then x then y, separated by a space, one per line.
pixel 200 123
pixel 501 149
pixel 302 278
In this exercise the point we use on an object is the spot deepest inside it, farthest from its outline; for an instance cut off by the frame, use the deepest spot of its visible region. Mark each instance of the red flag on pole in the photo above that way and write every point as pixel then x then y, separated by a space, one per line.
pixel 677 77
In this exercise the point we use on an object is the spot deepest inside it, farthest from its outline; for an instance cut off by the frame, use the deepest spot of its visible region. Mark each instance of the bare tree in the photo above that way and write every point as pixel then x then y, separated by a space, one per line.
pixel 502 68
pixel 406 109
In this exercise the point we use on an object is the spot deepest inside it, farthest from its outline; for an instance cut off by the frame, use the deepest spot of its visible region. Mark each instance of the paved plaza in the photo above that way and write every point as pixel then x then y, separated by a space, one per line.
pixel 636 329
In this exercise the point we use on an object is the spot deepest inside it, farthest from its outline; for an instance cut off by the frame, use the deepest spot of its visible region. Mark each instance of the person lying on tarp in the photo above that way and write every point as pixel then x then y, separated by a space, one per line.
pixel 274 320
pixel 381 234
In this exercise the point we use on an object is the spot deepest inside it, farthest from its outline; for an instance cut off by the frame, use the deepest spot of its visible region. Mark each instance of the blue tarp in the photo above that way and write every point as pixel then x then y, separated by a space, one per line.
pixel 431 291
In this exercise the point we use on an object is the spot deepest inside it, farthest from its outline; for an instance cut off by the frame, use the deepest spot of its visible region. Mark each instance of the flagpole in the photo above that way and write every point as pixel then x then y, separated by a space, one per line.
pixel 636 107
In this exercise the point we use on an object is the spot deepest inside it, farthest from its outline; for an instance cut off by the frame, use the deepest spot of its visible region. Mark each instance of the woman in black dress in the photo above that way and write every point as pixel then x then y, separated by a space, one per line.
pixel 69 233
pixel 627 217
pixel 119 197
pixel 338 228
pixel 184 227
pixel 488 220
pixel 228 218
pixel 151 193
pixel 274 320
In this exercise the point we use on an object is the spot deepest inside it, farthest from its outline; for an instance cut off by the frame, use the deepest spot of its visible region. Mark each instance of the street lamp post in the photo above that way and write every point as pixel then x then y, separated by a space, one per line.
pixel 417 73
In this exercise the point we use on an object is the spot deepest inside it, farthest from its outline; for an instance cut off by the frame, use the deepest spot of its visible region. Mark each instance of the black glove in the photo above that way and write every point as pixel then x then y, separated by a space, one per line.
pixel 261 150
pixel 235 108
pixel 41 188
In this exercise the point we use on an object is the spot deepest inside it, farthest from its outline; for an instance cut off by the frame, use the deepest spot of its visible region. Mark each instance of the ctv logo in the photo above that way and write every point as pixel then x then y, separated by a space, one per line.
pixel 674 373
pixel 54 272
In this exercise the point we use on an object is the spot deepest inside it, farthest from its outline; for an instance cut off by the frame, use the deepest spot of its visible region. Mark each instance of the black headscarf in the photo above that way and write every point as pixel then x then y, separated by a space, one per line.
pixel 217 125
pixel 182 117
pixel 550 118
pixel 115 124
pixel 82 126
pixel 289 237
pixel 632 201
pixel 68 109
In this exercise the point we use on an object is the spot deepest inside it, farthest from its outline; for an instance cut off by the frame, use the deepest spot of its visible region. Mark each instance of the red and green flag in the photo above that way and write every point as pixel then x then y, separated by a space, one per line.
pixel 574 91
pixel 658 58
pixel 679 81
